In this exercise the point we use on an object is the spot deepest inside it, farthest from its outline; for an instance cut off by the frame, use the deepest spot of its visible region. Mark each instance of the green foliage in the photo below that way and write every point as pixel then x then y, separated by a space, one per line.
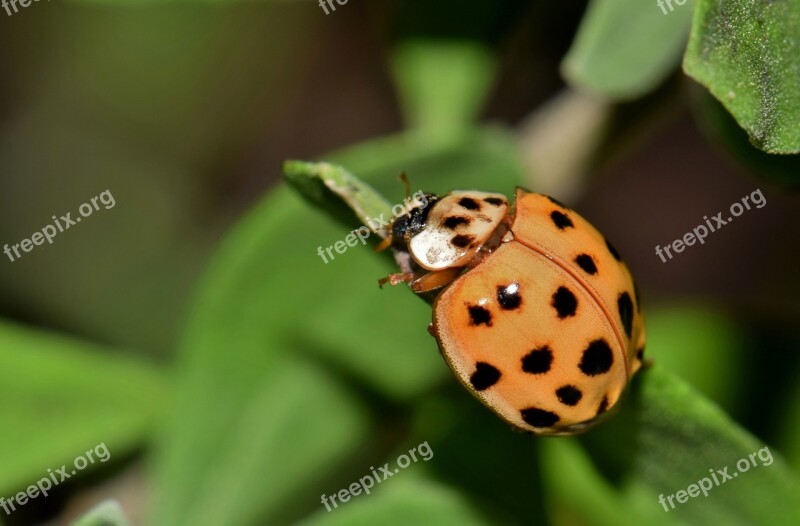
pixel 679 436
pixel 442 85
pixel 295 374
pixel 702 346
pixel 64 397
pixel 319 182
pixel 625 48
pixel 747 53
pixel 406 501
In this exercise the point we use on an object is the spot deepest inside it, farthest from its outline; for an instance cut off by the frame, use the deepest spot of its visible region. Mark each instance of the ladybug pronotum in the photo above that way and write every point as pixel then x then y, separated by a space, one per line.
pixel 535 312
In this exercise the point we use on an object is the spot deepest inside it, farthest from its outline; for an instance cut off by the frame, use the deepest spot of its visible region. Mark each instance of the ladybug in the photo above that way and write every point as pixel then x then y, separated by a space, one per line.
pixel 534 311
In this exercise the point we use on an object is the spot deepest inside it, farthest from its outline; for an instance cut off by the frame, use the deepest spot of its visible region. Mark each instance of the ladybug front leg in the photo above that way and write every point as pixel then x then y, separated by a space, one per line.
pixel 435 280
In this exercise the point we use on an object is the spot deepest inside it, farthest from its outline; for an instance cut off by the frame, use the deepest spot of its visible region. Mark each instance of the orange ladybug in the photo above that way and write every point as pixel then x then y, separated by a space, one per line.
pixel 535 312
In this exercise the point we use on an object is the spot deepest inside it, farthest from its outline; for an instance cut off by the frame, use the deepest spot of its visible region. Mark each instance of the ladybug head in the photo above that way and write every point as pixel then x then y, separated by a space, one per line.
pixel 413 222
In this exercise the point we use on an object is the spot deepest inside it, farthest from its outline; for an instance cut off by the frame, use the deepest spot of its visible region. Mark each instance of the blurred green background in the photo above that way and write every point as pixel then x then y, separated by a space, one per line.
pixel 235 377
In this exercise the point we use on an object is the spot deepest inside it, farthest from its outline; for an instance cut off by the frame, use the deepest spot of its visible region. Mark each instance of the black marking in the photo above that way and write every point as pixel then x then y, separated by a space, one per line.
pixel 454 221
pixel 603 407
pixel 538 361
pixel 612 250
pixel 625 307
pixel 539 417
pixel 484 377
pixel 564 302
pixel 494 201
pixel 569 395
pixel 597 358
pixel 586 262
pixel 561 220
pixel 640 353
pixel 469 203
pixel 462 241
pixel 508 296
pixel 479 315
pixel 556 202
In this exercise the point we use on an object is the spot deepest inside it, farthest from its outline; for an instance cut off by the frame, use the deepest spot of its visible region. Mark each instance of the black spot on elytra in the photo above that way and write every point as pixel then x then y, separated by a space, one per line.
pixel 586 262
pixel 494 201
pixel 597 358
pixel 640 353
pixel 569 395
pixel 462 241
pixel 539 417
pixel 508 296
pixel 479 315
pixel 603 407
pixel 612 250
pixel 625 307
pixel 454 221
pixel 484 377
pixel 538 361
pixel 469 203
pixel 564 302
pixel 556 202
pixel 561 220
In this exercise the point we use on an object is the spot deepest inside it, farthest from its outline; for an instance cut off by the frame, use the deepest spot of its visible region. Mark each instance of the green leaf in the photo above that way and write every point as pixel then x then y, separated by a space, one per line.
pixel 701 346
pixel 265 338
pixel 108 513
pixel 747 53
pixel 668 436
pixel 577 493
pixel 279 433
pixel 82 396
pixel 442 85
pixel 626 48
pixel 336 190
pixel 411 500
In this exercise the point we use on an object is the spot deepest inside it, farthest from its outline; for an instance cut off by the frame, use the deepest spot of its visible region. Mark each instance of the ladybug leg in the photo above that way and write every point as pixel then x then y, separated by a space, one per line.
pixel 395 279
pixel 435 280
